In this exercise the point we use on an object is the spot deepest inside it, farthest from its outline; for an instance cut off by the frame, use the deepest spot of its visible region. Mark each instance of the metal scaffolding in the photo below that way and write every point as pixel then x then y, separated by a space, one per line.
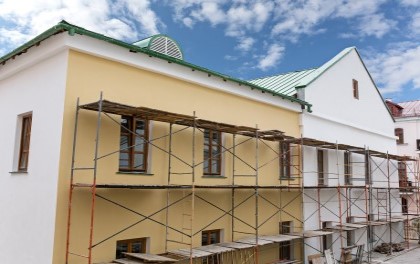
pixel 357 204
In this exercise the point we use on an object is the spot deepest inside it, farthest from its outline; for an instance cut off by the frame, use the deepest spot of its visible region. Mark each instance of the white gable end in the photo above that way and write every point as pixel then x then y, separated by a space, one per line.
pixel 340 117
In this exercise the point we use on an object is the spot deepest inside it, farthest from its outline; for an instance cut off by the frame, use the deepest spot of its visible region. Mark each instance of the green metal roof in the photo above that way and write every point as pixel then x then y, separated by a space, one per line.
pixel 64 26
pixel 287 83
pixel 284 83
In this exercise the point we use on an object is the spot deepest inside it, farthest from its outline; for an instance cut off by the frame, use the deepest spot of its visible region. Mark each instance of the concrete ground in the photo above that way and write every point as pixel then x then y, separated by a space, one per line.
pixel 409 256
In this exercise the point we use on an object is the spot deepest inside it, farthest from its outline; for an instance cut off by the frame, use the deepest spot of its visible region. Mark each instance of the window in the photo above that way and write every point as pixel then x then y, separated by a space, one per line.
pixel 285 160
pixel 350 234
pixel 355 89
pixel 404 205
pixel 136 245
pixel 347 168
pixel 321 167
pixel 212 152
pixel 326 239
pixel 399 133
pixel 418 144
pixel 133 144
pixel 367 170
pixel 209 237
pixel 402 176
pixel 25 139
pixel 285 247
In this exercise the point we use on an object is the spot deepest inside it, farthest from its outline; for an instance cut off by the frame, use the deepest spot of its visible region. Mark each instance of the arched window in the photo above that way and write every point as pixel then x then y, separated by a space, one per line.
pixel 399 133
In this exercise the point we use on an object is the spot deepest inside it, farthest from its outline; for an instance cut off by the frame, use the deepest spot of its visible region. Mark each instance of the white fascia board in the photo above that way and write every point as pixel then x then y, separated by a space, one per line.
pixel 112 52
pixel 347 124
pixel 407 119
pixel 46 49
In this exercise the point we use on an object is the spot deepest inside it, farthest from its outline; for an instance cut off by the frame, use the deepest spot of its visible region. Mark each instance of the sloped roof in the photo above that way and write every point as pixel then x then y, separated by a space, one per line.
pixel 284 83
pixel 410 108
pixel 287 83
pixel 64 26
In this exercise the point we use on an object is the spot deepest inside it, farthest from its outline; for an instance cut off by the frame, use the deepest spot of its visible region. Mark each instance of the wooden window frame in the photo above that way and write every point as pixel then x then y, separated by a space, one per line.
pixel 404 205
pixel 321 167
pixel 399 133
pixel 285 247
pixel 25 140
pixel 130 242
pixel 208 170
pixel 131 139
pixel 402 175
pixel 209 233
pixel 347 168
pixel 355 89
pixel 285 160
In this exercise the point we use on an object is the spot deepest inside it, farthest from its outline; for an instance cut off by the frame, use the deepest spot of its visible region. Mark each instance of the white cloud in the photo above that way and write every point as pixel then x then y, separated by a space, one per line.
pixel 395 68
pixel 410 2
pixel 376 25
pixel 122 19
pixel 245 44
pixel 272 58
pixel 415 23
pixel 209 11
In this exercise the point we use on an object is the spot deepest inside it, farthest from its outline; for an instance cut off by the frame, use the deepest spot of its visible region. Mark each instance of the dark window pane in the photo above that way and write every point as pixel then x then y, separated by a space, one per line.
pixel 204 239
pixel 121 247
pixel 136 247
pixel 138 161
pixel 139 145
pixel 124 142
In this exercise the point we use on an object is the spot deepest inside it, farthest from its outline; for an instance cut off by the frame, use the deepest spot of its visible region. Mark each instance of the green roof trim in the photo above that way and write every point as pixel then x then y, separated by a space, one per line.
pixel 72 30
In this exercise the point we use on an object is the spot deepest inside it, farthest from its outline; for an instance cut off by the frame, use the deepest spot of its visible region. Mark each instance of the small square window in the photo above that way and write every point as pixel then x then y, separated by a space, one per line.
pixel 136 245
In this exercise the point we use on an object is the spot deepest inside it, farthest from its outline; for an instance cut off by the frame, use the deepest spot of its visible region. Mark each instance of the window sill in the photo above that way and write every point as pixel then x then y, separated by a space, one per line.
pixel 18 172
pixel 214 176
pixel 287 178
pixel 135 173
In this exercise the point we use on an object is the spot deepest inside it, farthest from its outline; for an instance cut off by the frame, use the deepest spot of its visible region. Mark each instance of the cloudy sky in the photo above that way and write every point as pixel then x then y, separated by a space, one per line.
pixel 247 38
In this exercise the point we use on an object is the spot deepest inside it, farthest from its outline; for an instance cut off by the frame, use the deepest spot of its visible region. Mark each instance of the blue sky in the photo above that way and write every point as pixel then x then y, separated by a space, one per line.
pixel 247 39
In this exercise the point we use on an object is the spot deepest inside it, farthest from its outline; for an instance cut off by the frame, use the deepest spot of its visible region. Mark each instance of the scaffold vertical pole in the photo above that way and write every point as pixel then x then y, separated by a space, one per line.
pixel 95 170
pixel 256 196
pixel 69 213
pixel 168 190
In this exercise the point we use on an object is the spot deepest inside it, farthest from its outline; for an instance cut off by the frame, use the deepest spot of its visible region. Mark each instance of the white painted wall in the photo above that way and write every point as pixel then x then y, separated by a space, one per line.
pixel 411 126
pixel 339 117
pixel 34 83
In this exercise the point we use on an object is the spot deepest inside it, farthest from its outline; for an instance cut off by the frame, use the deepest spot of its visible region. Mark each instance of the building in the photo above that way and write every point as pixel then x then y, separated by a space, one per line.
pixel 113 147
pixel 406 116
pixel 350 170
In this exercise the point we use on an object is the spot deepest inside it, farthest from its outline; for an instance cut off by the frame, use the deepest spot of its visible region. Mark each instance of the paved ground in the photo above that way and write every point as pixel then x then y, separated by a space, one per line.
pixel 409 257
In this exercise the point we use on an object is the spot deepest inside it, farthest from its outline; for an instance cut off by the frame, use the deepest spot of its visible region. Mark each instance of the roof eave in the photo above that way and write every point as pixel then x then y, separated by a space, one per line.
pixel 72 30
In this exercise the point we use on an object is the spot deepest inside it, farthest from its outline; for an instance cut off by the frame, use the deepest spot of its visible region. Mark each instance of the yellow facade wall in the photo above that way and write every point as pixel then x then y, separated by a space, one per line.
pixel 87 77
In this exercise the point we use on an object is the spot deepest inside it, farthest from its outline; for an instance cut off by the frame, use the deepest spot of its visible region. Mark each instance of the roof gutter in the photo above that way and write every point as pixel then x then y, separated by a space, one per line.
pixel 72 30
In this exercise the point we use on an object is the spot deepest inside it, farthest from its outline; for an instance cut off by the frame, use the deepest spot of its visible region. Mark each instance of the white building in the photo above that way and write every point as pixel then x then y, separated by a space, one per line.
pixel 407 131
pixel 347 181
